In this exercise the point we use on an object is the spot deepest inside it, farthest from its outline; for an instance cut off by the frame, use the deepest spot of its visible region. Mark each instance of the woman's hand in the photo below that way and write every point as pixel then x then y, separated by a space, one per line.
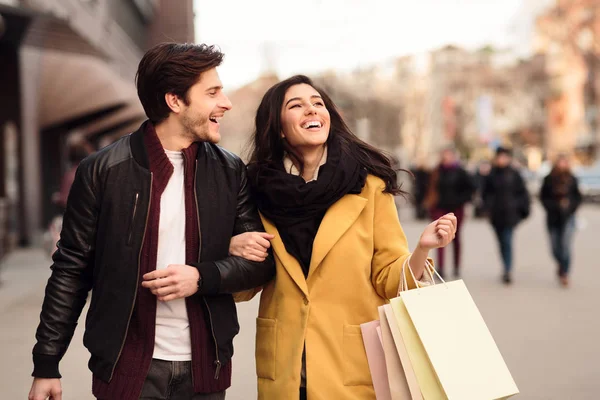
pixel 252 246
pixel 438 233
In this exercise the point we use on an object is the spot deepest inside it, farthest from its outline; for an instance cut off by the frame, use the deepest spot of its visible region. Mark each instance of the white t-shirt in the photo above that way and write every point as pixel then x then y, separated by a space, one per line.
pixel 172 341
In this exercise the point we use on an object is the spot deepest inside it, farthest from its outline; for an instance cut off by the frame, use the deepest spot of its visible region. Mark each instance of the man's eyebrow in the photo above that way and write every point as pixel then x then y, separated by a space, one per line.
pixel 298 98
pixel 214 88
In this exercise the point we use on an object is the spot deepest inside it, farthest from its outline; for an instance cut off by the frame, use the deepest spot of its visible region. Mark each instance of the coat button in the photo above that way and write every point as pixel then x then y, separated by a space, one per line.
pixel 305 301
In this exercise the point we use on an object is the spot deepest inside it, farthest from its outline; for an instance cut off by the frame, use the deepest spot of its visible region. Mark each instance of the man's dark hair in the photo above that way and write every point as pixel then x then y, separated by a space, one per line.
pixel 172 68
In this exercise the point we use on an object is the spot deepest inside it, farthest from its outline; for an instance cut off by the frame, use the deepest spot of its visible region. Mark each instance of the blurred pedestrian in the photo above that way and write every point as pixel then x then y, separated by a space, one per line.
pixel 561 197
pixel 421 183
pixel 76 152
pixel 507 203
pixel 483 170
pixel 450 188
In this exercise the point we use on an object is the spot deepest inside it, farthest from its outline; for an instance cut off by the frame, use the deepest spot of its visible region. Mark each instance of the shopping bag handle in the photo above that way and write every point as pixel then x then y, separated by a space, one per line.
pixel 403 285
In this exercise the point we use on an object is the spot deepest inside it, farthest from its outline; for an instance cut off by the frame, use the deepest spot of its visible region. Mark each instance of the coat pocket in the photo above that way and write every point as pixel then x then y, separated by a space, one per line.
pixel 356 366
pixel 266 347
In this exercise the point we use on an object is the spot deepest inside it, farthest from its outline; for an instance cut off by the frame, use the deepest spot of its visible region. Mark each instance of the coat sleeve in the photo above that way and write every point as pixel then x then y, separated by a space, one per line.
pixel 390 248
pixel 467 186
pixel 546 197
pixel 576 197
pixel 522 194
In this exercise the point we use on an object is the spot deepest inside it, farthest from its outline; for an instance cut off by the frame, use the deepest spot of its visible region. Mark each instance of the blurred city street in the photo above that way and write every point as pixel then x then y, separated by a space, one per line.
pixel 548 335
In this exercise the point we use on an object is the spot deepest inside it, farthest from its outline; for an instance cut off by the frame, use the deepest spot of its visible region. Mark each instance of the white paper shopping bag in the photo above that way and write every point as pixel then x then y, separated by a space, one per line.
pixel 458 343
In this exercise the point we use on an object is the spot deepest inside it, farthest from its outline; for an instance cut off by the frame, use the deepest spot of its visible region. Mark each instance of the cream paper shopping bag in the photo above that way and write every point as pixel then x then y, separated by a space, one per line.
pixel 456 342
pixel 423 370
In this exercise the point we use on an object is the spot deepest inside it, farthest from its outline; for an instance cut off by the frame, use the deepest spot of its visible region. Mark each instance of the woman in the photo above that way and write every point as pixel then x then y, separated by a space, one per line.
pixel 561 197
pixel 328 200
pixel 451 188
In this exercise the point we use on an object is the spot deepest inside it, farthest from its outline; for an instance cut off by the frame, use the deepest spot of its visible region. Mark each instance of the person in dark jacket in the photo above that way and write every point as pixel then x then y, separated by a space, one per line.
pixel 507 203
pixel 451 187
pixel 147 226
pixel 421 183
pixel 561 197
pixel 483 170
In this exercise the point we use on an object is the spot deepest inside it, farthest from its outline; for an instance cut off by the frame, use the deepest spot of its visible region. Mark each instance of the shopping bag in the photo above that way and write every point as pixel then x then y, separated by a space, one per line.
pixel 452 351
pixel 407 374
pixel 397 383
pixel 376 359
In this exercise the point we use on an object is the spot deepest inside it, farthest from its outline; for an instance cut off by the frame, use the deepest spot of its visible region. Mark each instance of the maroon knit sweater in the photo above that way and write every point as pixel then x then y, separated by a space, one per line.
pixel 134 363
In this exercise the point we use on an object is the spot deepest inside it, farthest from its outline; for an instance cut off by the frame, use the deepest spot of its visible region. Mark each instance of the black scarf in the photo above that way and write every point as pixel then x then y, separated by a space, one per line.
pixel 297 207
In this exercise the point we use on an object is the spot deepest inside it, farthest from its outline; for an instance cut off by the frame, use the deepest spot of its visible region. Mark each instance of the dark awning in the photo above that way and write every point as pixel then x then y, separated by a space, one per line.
pixel 24 26
pixel 73 87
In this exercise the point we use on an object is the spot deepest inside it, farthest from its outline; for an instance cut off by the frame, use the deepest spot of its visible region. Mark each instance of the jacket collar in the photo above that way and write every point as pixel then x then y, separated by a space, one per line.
pixel 139 151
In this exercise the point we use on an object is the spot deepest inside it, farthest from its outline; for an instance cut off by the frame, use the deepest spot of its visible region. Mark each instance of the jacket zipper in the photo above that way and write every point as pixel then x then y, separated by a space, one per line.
pixel 137 277
pixel 217 361
pixel 212 329
pixel 137 195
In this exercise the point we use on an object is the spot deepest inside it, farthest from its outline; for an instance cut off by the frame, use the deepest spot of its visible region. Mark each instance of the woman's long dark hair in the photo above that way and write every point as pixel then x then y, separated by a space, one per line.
pixel 267 147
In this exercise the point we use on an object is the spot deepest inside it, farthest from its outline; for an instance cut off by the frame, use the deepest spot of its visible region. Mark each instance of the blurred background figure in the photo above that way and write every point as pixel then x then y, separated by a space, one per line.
pixel 507 203
pixel 561 197
pixel 421 183
pixel 450 188
pixel 77 150
pixel 483 170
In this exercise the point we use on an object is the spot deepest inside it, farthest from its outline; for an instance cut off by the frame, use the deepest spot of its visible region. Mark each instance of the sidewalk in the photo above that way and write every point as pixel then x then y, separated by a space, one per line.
pixel 23 276
pixel 547 335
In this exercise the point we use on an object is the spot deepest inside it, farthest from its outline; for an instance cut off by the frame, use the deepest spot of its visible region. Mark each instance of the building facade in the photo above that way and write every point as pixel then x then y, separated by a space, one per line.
pixel 67 70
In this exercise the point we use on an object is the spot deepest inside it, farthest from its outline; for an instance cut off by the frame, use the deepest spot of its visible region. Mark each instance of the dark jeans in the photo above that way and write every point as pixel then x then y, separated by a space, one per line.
pixel 505 238
pixel 459 213
pixel 172 380
pixel 561 238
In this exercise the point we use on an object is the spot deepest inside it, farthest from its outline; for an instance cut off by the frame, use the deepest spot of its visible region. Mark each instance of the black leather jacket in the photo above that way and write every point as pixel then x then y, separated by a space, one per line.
pixel 100 244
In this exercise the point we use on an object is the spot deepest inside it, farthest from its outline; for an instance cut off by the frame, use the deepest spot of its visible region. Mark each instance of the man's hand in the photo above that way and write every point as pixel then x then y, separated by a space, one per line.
pixel 252 246
pixel 43 389
pixel 174 282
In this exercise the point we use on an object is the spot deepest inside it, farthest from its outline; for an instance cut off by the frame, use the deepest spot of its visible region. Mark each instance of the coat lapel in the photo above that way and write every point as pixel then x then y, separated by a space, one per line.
pixel 336 222
pixel 291 265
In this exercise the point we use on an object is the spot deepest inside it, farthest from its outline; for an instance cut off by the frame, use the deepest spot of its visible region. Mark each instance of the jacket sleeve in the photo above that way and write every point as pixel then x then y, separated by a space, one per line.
pixel 467 186
pixel 235 274
pixel 71 278
pixel 487 192
pixel 576 197
pixel 390 248
pixel 523 196
pixel 546 197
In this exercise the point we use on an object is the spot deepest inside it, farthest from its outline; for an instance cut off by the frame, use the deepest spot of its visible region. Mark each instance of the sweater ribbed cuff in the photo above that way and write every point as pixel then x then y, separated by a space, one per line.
pixel 46 366
pixel 210 276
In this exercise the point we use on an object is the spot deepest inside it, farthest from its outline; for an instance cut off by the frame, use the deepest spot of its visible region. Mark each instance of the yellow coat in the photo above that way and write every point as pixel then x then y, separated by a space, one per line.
pixel 356 264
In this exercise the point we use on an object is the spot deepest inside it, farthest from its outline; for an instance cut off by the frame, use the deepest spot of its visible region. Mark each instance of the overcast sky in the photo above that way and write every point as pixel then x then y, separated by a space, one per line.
pixel 315 35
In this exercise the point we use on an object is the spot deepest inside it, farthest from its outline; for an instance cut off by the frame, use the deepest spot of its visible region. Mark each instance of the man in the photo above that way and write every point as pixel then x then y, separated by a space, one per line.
pixel 147 227
pixel 507 203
